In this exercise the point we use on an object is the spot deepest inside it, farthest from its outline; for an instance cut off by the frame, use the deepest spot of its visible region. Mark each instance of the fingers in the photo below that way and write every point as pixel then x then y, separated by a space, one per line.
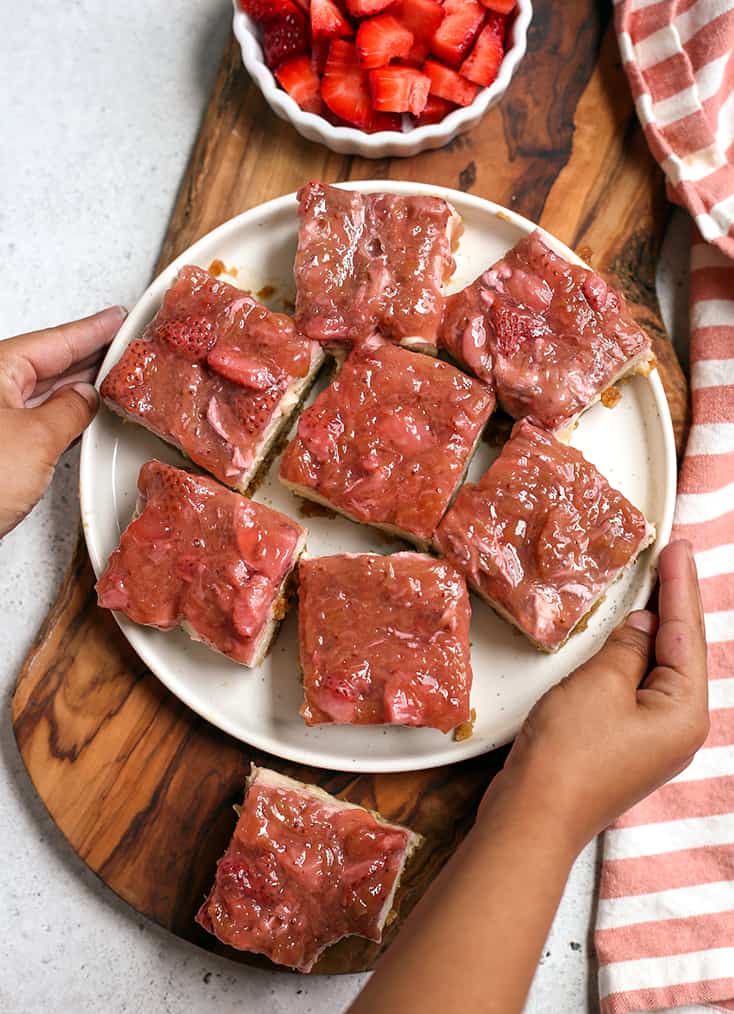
pixel 627 652
pixel 79 374
pixel 680 646
pixel 88 367
pixel 61 419
pixel 40 355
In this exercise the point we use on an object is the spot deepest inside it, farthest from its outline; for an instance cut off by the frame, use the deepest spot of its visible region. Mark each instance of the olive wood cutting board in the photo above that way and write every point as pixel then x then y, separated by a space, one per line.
pixel 142 787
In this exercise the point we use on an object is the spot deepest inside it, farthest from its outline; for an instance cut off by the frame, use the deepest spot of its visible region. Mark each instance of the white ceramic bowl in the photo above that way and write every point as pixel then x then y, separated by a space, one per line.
pixel 385 143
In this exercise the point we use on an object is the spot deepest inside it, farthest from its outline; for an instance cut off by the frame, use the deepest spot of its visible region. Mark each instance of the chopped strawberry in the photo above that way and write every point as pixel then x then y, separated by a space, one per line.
pixel 457 32
pixel 416 55
pixel 285 38
pixel 319 53
pixel 381 39
pixel 240 369
pixel 327 21
pixel 501 6
pixel 192 337
pixel 422 18
pixel 301 81
pixel 386 121
pixel 344 87
pixel 399 90
pixel 447 84
pixel 254 410
pixel 364 8
pixel 498 24
pixel 483 63
pixel 263 11
pixel 435 110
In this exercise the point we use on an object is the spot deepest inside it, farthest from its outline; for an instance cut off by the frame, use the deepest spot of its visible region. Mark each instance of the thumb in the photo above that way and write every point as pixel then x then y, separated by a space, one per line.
pixel 64 416
pixel 629 648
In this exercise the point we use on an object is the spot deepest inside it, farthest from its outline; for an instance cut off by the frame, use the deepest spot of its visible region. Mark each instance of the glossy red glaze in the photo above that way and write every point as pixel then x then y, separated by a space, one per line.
pixel 542 534
pixel 202 555
pixel 371 264
pixel 384 639
pixel 387 442
pixel 301 872
pixel 549 335
pixel 210 372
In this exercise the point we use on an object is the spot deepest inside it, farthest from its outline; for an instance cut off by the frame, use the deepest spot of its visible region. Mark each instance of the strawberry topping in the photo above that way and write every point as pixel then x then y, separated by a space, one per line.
pixel 190 336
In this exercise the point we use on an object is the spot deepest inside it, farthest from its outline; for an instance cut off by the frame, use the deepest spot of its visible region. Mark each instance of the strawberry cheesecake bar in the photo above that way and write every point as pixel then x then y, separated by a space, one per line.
pixel 542 535
pixel 216 374
pixel 550 336
pixel 302 871
pixel 384 639
pixel 388 441
pixel 372 264
pixel 204 558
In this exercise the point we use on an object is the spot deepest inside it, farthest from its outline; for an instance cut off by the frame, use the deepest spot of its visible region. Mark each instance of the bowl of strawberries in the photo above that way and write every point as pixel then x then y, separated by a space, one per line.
pixel 381 78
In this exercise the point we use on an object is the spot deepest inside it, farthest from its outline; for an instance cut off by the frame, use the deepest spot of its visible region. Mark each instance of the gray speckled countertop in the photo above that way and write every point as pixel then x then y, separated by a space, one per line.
pixel 101 105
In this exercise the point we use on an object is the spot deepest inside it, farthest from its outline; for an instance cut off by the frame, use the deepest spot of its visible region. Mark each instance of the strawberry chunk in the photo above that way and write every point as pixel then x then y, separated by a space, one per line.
pixel 192 337
pixel 483 63
pixel 399 90
pixel 457 32
pixel 344 87
pixel 319 54
pixel 285 38
pixel 447 84
pixel 498 24
pixel 241 369
pixel 422 18
pixel 301 81
pixel 263 11
pixel 435 110
pixel 365 8
pixel 500 6
pixel 385 121
pixel 381 39
pixel 327 21
pixel 254 410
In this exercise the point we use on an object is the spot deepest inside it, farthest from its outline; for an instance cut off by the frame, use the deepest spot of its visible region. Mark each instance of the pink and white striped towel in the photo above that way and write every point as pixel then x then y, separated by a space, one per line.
pixel 665 924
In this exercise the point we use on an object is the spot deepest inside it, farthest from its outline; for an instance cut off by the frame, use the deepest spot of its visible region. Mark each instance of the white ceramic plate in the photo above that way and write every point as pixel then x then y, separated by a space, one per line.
pixel 632 444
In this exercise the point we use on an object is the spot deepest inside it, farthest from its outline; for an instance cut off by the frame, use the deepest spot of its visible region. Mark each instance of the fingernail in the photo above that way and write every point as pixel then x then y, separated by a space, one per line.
pixel 120 311
pixel 88 392
pixel 644 620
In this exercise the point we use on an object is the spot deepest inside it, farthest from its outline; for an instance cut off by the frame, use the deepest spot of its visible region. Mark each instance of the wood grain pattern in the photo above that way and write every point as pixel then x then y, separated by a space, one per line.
pixel 141 787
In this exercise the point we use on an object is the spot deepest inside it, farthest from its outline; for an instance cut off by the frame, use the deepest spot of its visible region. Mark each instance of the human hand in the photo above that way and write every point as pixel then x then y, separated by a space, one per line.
pixel 626 721
pixel 46 400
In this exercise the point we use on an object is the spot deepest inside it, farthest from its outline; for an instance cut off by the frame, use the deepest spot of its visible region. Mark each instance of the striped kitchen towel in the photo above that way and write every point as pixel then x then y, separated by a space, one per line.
pixel 665 922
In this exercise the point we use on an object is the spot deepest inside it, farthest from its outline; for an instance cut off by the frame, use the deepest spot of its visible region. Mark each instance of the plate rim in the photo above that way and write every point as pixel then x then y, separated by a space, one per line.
pixel 134 633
